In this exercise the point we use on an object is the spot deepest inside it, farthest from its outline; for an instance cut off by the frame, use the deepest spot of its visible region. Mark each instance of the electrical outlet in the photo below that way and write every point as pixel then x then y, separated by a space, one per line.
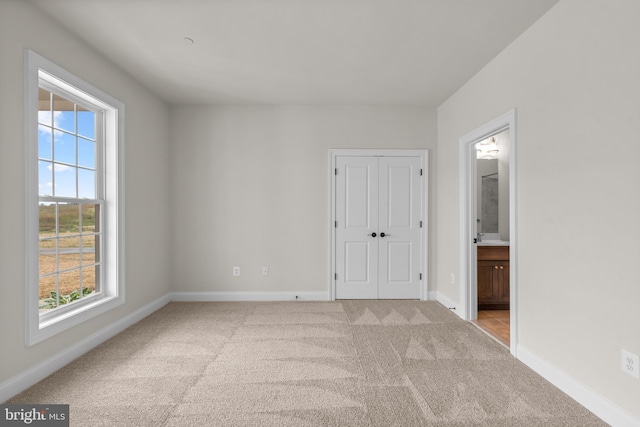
pixel 265 271
pixel 236 271
pixel 452 279
pixel 631 364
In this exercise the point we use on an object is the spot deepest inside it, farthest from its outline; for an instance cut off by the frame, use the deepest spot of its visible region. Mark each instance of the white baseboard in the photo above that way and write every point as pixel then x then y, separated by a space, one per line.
pixel 248 296
pixel 603 408
pixel 26 379
pixel 449 303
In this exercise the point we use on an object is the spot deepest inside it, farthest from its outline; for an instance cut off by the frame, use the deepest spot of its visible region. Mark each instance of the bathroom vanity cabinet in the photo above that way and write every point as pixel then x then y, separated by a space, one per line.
pixel 493 277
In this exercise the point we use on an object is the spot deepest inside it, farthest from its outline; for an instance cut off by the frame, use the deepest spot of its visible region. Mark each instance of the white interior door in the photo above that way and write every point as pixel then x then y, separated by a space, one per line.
pixel 378 220
pixel 399 224
pixel 357 227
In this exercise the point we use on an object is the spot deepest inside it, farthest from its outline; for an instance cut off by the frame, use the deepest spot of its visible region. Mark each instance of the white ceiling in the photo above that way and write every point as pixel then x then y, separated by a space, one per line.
pixel 366 52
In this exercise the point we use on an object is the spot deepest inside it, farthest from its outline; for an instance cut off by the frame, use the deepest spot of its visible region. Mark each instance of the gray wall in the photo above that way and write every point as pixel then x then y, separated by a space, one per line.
pixel 147 214
pixel 250 189
pixel 573 77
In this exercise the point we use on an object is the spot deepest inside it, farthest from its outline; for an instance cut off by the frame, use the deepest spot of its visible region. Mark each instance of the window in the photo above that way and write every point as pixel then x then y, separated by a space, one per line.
pixel 74 200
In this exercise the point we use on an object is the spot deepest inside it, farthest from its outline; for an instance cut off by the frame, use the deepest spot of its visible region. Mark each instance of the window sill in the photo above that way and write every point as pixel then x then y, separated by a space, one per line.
pixel 56 323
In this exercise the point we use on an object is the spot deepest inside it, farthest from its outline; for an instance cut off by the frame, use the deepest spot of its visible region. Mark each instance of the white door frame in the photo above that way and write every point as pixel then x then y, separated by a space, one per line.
pixel 468 196
pixel 424 162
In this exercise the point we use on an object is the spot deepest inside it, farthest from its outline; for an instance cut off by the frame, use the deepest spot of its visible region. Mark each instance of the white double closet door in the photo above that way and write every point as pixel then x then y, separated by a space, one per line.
pixel 378 215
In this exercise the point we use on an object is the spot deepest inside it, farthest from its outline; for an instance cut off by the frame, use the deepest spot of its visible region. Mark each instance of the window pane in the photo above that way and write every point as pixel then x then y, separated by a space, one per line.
pixel 47 285
pixel 86 123
pixel 64 148
pixel 44 106
pixel 68 258
pixel 89 217
pixel 69 281
pixel 47 244
pixel 44 142
pixel 89 279
pixel 68 219
pixel 86 183
pixel 86 153
pixel 65 177
pixel 47 219
pixel 47 261
pixel 64 114
pixel 69 245
pixel 88 250
pixel 45 178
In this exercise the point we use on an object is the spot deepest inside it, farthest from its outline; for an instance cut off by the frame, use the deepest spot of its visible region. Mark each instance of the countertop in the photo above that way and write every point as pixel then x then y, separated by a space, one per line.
pixel 493 243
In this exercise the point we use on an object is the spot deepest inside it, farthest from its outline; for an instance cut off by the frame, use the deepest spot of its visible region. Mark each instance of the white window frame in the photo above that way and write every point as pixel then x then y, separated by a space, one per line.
pixel 112 291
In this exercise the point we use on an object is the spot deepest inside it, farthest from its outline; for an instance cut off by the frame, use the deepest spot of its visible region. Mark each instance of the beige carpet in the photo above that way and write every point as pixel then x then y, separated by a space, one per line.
pixel 349 363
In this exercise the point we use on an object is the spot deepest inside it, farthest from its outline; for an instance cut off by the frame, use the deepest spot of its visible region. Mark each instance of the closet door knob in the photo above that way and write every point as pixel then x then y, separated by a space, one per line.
pixel 382 234
pixel 372 234
pixel 495 266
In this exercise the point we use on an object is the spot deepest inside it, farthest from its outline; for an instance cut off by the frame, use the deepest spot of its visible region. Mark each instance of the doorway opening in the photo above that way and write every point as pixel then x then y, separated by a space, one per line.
pixel 488 263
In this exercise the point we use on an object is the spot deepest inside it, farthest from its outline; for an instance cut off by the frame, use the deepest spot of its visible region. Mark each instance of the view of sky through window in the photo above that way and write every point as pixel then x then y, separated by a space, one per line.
pixel 66 148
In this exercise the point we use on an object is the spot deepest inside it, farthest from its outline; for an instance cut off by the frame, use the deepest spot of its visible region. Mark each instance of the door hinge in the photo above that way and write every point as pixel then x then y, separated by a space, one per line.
pixel 420 224
pixel 335 276
pixel 420 172
pixel 336 171
pixel 335 224
pixel 420 276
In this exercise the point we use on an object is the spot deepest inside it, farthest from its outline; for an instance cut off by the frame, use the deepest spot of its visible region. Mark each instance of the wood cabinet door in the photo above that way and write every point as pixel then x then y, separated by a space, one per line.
pixel 501 281
pixel 485 281
pixel 493 282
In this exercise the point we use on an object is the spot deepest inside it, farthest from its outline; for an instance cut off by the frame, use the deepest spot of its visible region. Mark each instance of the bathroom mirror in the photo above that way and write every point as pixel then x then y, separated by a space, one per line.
pixel 488 196
pixel 492 166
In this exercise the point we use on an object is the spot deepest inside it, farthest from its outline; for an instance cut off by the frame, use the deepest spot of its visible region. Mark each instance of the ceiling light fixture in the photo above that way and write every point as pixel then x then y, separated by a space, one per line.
pixel 487 149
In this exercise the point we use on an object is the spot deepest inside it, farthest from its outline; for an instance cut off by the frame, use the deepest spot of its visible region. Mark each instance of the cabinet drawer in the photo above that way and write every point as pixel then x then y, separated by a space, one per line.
pixel 493 253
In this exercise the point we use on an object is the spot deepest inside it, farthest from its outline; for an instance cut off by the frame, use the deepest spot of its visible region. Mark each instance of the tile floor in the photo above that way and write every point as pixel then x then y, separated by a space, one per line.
pixel 496 323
